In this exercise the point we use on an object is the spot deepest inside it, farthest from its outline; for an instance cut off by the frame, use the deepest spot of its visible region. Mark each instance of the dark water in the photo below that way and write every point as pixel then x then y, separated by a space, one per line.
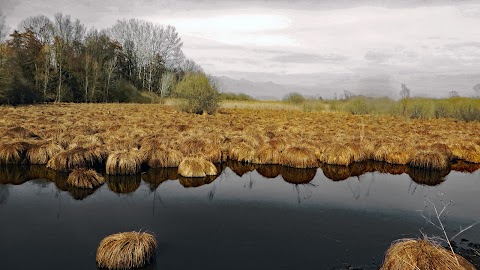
pixel 306 221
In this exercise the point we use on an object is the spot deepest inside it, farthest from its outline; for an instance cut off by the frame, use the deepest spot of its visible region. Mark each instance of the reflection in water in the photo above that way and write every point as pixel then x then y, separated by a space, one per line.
pixel 155 177
pixel 4 193
pixel 14 175
pixel 298 176
pixel 269 171
pixel 196 181
pixel 462 166
pixel 240 168
pixel 427 177
pixel 123 184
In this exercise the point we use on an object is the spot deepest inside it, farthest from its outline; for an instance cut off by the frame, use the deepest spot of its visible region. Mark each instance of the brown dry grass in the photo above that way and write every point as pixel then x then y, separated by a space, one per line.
pixel 422 254
pixel 85 178
pixel 126 250
pixel 41 153
pixel 196 167
pixel 164 136
pixel 123 163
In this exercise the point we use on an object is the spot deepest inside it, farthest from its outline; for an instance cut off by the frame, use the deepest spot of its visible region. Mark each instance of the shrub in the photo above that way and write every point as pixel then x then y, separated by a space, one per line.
pixel 295 98
pixel 198 93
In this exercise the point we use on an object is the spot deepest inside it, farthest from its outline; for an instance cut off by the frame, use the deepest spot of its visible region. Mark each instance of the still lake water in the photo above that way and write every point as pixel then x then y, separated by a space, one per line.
pixel 246 218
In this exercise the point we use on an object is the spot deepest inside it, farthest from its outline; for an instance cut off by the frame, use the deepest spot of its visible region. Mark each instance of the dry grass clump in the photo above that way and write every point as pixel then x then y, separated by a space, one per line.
pixel 126 250
pixel 429 159
pixel 469 152
pixel 85 178
pixel 267 154
pixel 337 154
pixel 422 254
pixel 20 133
pixel 123 163
pixel 162 158
pixel 77 157
pixel 298 157
pixel 242 153
pixel 41 153
pixel 196 167
pixel 393 153
pixel 13 153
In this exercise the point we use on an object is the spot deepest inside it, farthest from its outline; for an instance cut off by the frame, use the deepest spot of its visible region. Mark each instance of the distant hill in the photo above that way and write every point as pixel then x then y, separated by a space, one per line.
pixel 259 90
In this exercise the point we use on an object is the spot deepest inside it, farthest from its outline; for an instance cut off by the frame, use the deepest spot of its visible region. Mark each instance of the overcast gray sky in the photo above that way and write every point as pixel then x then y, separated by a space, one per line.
pixel 432 46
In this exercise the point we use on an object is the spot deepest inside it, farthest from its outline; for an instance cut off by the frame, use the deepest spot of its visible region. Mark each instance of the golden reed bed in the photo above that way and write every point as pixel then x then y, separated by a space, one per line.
pixel 124 138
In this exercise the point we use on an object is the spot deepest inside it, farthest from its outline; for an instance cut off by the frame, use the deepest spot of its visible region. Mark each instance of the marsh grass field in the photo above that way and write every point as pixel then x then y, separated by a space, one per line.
pixel 79 147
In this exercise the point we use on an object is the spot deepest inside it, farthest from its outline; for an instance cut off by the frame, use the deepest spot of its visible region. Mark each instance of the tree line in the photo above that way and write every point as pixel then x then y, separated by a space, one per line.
pixel 60 60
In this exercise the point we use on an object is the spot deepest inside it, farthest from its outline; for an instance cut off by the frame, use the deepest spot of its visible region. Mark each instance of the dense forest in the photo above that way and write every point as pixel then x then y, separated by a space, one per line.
pixel 60 60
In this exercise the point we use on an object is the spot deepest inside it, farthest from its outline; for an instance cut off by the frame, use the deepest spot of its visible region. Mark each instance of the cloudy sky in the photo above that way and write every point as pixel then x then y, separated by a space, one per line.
pixel 358 45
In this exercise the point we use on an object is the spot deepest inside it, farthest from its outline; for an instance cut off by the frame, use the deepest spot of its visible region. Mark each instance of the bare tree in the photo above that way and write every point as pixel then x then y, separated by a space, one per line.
pixel 476 89
pixel 3 28
pixel 166 87
pixel 405 95
pixel 453 94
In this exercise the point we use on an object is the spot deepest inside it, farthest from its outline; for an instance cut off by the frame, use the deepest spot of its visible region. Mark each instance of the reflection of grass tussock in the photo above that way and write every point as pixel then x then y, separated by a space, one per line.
pixel 80 193
pixel 41 153
pixel 123 163
pixel 196 181
pixel 462 166
pixel 298 157
pixel 13 153
pixel 422 254
pixel 196 167
pixel 297 175
pixel 126 250
pixel 269 171
pixel 240 168
pixel 85 178
pixel 123 184
pixel 155 177
pixel 336 172
pixel 15 175
pixel 77 157
pixel 427 177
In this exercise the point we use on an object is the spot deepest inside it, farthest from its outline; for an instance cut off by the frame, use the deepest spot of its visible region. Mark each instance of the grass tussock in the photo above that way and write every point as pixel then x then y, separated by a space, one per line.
pixel 430 159
pixel 298 157
pixel 85 178
pixel 13 152
pixel 242 152
pixel 337 154
pixel 422 254
pixel 41 153
pixel 20 133
pixel 123 163
pixel 77 157
pixel 196 167
pixel 126 250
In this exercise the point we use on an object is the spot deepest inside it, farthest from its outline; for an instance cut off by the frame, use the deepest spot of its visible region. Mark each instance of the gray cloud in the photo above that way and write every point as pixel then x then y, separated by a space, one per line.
pixel 307 58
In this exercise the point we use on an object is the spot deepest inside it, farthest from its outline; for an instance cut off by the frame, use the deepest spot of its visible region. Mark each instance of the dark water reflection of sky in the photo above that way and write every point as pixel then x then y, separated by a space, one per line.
pixel 234 222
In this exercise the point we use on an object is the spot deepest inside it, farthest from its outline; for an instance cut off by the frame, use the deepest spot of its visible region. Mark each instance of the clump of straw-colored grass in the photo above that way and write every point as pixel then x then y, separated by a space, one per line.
pixel 86 141
pixel 242 152
pixel 393 153
pixel 20 133
pixel 123 163
pixel 422 254
pixel 126 250
pixel 162 158
pixel 77 157
pixel 41 153
pixel 337 154
pixel 85 178
pixel 13 153
pixel 469 152
pixel 429 159
pixel 196 167
pixel 267 154
pixel 298 157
